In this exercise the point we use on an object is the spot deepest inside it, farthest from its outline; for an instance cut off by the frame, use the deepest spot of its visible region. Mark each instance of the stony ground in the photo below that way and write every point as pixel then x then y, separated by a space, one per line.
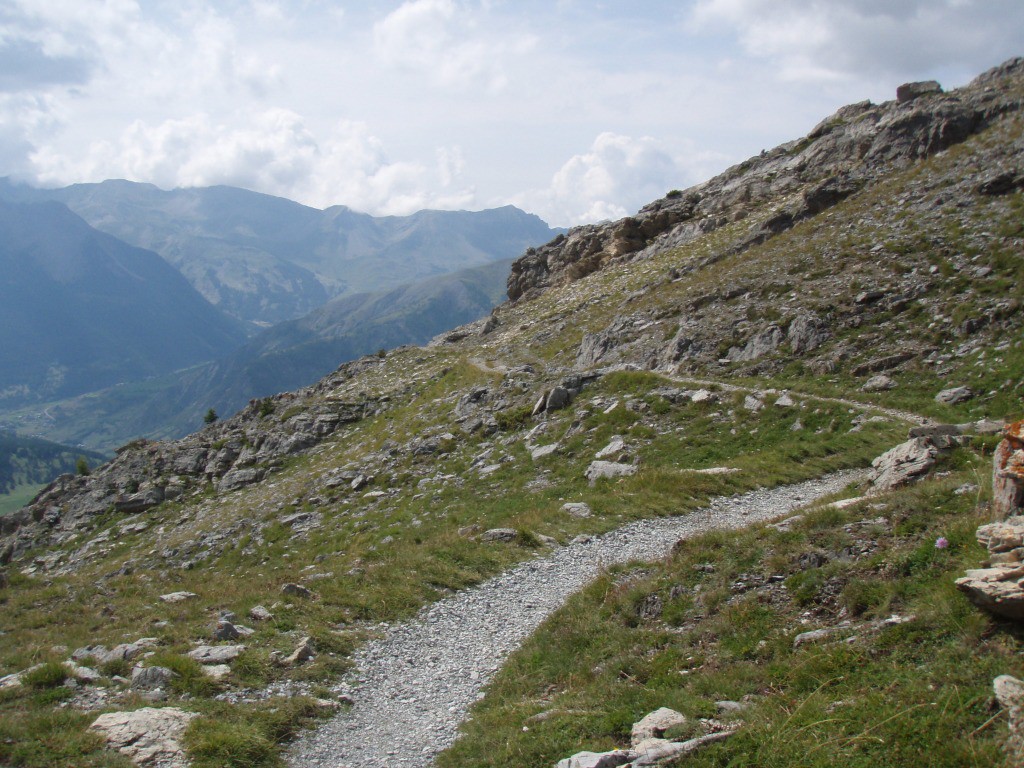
pixel 415 684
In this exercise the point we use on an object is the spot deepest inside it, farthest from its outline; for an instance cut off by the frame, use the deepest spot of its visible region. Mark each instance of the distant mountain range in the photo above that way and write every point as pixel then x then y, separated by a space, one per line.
pixel 264 259
pixel 102 341
pixel 81 310
pixel 287 356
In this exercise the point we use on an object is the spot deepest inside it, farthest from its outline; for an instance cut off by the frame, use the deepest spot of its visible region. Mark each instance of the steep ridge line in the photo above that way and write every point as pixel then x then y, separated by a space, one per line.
pixel 416 684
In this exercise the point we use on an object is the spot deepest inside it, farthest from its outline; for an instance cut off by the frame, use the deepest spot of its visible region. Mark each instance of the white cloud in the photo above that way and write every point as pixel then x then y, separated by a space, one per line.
pixel 275 152
pixel 611 180
pixel 448 43
pixel 823 40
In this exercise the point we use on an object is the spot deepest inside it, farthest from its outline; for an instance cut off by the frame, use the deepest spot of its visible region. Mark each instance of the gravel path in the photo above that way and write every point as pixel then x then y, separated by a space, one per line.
pixel 416 684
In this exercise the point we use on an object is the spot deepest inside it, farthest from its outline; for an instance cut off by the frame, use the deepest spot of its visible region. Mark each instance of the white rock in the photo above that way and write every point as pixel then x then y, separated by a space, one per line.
pixel 608 469
pixel 178 597
pixel 216 654
pixel 149 736
pixel 655 724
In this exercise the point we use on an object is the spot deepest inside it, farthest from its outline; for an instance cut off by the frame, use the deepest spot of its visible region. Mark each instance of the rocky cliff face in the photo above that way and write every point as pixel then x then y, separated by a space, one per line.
pixel 853 148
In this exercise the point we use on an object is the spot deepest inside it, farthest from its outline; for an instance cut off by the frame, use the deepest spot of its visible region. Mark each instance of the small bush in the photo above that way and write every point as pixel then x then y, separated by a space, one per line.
pixel 227 744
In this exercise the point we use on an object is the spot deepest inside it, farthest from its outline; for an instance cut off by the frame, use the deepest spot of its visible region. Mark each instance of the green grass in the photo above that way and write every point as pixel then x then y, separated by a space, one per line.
pixel 19 497
pixel 911 694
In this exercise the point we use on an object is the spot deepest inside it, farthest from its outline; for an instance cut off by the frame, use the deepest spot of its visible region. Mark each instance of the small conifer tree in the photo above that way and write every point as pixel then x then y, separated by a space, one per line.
pixel 210 417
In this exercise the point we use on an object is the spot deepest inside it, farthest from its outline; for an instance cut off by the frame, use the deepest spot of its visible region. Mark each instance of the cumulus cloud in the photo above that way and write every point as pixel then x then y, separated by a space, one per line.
pixel 822 40
pixel 613 179
pixel 447 43
pixel 274 152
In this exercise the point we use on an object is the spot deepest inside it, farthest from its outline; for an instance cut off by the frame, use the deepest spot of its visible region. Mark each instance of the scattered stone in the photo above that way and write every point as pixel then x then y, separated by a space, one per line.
pixel 216 654
pixel 730 707
pixel 558 398
pixel 149 736
pixel 304 651
pixel 1009 693
pixel 879 383
pixel 821 635
pixel 122 652
pixel 577 509
pixel 615 447
pixel 904 464
pixel 954 395
pixel 784 401
pixel 151 678
pixel 544 450
pixel 216 671
pixel 499 534
pixel 997 589
pixel 596 759
pixel 608 470
pixel 654 725
pixel 178 597
pixel 259 613
pixel 703 396
pixel 225 630
pixel 752 403
pixel 296 590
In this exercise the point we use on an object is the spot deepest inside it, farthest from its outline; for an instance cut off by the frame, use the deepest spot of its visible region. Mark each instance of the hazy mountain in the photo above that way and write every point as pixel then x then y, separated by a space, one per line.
pixel 265 259
pixel 287 356
pixel 81 310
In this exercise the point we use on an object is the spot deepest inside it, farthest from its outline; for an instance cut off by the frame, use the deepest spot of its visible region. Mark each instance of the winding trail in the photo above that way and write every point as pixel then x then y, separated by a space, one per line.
pixel 414 686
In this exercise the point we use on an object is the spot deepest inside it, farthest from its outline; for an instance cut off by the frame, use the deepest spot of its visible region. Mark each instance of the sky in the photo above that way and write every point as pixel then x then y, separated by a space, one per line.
pixel 576 111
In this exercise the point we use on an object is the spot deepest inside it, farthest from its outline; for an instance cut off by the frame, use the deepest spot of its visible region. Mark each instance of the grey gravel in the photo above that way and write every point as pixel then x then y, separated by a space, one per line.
pixel 414 686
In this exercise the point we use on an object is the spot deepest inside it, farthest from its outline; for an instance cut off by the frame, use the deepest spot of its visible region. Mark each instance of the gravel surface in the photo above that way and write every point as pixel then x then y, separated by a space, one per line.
pixel 416 684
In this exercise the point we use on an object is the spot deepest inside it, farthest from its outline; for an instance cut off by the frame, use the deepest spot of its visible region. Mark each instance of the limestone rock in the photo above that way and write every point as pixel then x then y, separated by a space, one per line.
pixel 615 447
pixel 216 654
pixel 596 759
pixel 806 333
pixel 577 508
pixel 499 534
pixel 954 395
pixel 608 470
pixel 543 450
pixel 878 383
pixel 178 597
pixel 296 590
pixel 259 613
pixel 1009 693
pixel 760 344
pixel 225 630
pixel 999 589
pixel 304 651
pixel 150 678
pixel 654 725
pixel 904 464
pixel 149 737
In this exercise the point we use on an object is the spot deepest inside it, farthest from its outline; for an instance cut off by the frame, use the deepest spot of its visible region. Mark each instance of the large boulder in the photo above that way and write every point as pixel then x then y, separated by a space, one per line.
pixel 149 736
pixel 904 464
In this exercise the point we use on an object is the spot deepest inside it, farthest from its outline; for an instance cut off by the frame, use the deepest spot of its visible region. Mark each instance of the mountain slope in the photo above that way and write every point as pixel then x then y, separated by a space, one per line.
pixel 283 357
pixel 266 259
pixel 80 310
pixel 697 359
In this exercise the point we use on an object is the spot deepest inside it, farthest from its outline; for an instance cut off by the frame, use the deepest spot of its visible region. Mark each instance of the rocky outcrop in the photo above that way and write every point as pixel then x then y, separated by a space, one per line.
pixel 841 155
pixel 229 455
pixel 1008 472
